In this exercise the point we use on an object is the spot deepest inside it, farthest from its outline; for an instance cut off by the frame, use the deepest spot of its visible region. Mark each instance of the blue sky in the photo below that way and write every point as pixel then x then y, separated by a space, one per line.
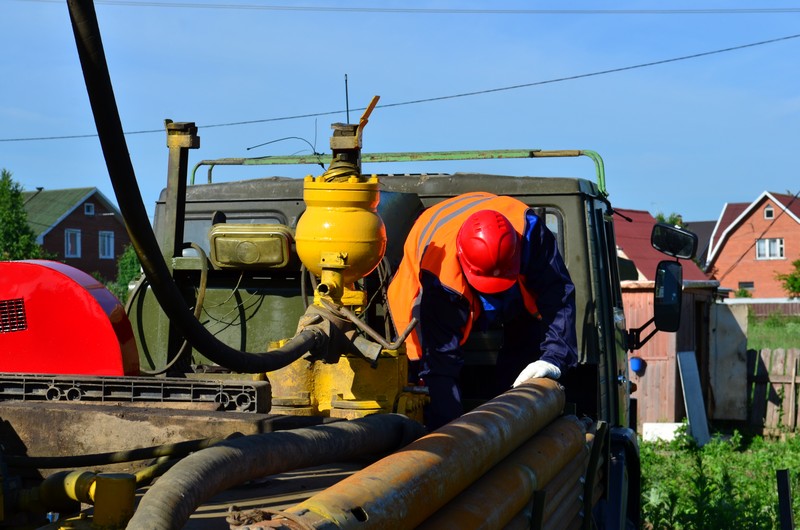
pixel 684 136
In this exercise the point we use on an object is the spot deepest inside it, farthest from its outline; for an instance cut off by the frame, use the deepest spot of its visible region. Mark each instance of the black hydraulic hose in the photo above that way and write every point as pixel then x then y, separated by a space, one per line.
pixel 126 189
pixel 186 347
pixel 169 503
pixel 116 457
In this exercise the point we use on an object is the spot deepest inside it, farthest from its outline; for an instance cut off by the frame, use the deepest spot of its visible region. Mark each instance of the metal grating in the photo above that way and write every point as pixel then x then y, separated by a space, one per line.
pixel 12 315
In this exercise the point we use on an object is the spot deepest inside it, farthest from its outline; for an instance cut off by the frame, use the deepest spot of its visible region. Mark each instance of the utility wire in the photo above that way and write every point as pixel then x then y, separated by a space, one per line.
pixel 440 98
pixel 440 11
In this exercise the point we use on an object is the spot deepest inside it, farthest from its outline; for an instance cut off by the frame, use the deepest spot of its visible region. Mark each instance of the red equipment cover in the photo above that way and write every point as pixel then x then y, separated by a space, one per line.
pixel 56 319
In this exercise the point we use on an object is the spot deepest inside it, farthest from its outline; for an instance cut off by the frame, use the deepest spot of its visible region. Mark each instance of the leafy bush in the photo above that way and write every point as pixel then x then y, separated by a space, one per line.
pixel 128 269
pixel 791 282
pixel 728 483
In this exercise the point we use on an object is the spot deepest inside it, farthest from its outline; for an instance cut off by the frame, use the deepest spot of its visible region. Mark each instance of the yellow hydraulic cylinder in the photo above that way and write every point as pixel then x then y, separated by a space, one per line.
pixel 112 494
pixel 405 488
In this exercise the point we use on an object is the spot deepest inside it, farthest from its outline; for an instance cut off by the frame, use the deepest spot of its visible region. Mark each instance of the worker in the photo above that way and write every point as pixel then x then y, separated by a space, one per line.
pixel 469 262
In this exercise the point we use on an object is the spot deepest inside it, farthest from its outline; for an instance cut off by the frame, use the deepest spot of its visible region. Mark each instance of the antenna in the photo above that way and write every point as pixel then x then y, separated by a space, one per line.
pixel 346 99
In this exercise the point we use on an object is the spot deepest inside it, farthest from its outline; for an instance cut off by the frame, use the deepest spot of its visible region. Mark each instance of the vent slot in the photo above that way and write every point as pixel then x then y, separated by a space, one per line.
pixel 12 315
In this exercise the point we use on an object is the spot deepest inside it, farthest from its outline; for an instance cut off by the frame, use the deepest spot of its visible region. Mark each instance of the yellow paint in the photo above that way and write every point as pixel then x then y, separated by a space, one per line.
pixel 341 230
pixel 350 388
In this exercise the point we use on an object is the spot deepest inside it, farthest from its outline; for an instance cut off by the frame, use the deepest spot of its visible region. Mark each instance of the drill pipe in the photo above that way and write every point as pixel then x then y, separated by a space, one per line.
pixel 506 489
pixel 406 487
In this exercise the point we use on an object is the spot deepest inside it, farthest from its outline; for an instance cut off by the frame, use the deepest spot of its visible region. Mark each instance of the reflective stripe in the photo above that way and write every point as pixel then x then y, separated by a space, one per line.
pixel 440 217
pixel 437 228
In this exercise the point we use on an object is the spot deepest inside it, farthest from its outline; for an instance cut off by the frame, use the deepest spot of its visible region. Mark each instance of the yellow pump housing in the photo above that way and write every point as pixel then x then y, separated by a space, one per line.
pixel 340 237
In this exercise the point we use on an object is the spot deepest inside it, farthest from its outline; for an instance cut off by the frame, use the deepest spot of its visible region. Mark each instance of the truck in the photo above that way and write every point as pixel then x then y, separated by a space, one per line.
pixel 255 378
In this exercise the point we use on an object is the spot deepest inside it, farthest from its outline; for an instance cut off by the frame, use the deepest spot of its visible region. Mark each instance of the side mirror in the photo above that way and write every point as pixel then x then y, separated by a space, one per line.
pixel 668 295
pixel 674 241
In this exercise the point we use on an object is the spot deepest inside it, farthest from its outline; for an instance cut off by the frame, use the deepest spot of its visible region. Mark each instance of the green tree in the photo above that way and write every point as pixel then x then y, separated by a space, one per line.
pixel 17 240
pixel 674 219
pixel 791 281
pixel 128 269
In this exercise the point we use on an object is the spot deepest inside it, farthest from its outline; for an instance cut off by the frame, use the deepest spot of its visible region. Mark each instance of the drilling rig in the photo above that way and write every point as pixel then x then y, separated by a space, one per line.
pixel 255 379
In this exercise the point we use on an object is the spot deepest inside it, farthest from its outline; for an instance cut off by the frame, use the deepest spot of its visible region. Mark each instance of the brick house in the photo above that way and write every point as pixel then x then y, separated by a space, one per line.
pixel 753 242
pixel 78 226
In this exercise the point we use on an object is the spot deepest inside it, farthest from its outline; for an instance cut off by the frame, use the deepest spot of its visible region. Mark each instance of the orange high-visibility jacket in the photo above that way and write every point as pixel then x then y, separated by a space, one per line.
pixel 431 246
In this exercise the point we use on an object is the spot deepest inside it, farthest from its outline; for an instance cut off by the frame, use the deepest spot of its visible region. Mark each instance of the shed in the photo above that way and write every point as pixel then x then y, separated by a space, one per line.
pixel 658 393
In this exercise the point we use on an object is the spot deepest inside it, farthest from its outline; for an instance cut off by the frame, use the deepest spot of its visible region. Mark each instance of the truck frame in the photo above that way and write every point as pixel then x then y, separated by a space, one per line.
pixel 328 401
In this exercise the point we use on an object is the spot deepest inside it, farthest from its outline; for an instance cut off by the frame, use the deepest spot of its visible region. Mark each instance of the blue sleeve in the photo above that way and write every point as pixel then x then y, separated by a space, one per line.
pixel 546 275
pixel 443 315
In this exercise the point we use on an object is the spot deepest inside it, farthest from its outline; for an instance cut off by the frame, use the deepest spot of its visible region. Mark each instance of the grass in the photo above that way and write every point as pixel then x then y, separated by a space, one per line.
pixel 728 483
pixel 774 331
pixel 731 481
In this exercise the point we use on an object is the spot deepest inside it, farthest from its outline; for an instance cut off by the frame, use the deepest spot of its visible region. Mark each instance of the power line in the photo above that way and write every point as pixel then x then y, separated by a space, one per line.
pixel 439 11
pixel 438 98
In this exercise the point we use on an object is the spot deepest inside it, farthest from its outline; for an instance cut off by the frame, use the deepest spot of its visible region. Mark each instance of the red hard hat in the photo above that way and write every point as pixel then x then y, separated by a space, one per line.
pixel 489 251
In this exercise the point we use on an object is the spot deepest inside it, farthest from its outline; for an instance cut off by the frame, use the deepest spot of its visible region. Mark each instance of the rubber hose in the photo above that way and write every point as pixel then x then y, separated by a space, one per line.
pixel 169 503
pixel 116 457
pixel 146 475
pixel 129 197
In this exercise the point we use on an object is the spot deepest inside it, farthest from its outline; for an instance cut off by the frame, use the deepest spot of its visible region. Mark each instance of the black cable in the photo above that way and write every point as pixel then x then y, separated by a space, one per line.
pixel 115 457
pixel 442 11
pixel 433 99
pixel 123 179
pixel 186 347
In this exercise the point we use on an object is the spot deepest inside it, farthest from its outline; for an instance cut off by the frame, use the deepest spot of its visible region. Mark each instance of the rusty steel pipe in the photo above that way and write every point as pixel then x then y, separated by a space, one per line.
pixel 570 513
pixel 504 491
pixel 405 488
pixel 565 495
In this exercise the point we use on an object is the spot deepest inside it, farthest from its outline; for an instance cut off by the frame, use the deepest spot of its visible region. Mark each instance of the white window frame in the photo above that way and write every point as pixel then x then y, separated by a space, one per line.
pixel 770 248
pixel 88 208
pixel 105 240
pixel 769 212
pixel 72 243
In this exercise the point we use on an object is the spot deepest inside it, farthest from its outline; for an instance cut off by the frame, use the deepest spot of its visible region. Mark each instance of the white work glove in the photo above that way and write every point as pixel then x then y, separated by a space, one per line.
pixel 537 369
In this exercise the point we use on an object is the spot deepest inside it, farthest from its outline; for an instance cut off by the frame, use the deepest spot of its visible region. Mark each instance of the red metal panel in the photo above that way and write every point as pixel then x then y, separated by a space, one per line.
pixel 66 323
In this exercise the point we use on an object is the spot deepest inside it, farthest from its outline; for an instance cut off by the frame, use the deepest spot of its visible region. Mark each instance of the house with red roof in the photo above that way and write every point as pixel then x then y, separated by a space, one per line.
pixel 633 228
pixel 658 390
pixel 754 242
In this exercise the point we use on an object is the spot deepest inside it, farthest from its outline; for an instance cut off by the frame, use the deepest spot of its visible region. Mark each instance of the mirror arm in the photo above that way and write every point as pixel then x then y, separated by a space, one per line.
pixel 635 340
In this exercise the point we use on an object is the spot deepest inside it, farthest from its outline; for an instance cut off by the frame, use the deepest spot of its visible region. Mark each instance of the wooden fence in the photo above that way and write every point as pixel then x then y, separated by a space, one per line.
pixel 772 384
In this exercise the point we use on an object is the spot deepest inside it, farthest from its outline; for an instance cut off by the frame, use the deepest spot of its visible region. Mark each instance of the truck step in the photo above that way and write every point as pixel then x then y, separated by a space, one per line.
pixel 240 396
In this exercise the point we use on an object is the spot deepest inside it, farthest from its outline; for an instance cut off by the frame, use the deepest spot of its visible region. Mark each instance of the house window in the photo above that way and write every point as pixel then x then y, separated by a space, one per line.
pixel 769 248
pixel 88 208
pixel 72 243
pixel 747 285
pixel 106 239
pixel 769 213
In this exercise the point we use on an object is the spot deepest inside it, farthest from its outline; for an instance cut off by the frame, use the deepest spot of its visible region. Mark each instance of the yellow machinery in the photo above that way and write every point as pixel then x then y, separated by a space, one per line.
pixel 340 239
